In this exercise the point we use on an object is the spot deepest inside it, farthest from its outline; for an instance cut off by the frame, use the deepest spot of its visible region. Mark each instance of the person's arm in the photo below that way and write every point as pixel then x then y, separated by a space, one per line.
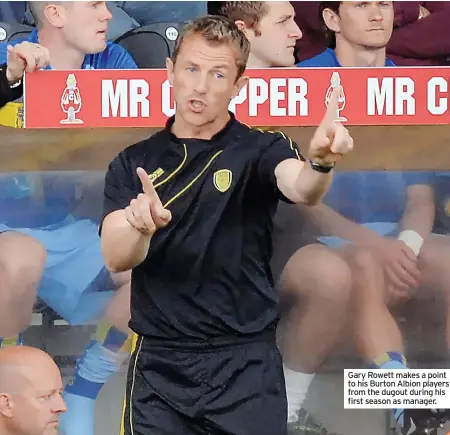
pixel 419 211
pixel 17 59
pixel 332 223
pixel 406 12
pixel 307 183
pixel 123 247
pixel 417 220
pixel 424 38
pixel 132 213
pixel 300 183
pixel 9 91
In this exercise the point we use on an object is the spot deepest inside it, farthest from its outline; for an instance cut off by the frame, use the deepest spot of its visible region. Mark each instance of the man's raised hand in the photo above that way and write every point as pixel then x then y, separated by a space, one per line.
pixel 146 213
pixel 25 56
pixel 331 140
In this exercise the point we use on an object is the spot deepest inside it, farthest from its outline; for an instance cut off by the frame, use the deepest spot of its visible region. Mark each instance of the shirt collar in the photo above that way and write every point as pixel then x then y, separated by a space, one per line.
pixel 231 122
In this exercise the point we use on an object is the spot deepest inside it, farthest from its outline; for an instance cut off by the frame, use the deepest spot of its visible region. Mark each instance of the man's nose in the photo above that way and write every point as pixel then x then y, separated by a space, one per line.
pixel 295 32
pixel 201 85
pixel 60 405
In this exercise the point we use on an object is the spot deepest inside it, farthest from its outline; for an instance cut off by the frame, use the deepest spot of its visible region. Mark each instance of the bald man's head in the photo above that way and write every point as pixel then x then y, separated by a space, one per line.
pixel 30 392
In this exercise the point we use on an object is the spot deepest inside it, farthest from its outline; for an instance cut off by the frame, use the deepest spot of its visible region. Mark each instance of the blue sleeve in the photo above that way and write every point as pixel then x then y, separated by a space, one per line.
pixel 119 58
pixel 3 52
pixel 419 177
pixel 309 63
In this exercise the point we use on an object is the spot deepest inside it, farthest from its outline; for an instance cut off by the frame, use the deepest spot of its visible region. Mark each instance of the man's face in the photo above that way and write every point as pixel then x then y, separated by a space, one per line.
pixel 204 80
pixel 37 407
pixel 85 25
pixel 364 24
pixel 278 33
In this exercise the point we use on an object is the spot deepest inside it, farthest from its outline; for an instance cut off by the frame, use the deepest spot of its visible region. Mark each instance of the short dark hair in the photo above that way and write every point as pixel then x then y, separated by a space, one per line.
pixel 217 30
pixel 330 35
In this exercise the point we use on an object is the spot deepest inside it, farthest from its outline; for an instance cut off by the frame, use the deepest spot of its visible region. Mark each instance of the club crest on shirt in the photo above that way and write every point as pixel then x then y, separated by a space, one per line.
pixel 222 180
pixel 155 175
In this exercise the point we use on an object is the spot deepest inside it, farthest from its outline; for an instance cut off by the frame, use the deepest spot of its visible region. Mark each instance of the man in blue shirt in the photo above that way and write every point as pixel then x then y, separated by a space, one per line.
pixel 75 35
pixel 357 34
pixel 396 209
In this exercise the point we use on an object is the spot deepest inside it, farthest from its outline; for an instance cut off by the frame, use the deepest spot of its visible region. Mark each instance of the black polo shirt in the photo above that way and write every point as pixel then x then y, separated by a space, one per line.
pixel 207 274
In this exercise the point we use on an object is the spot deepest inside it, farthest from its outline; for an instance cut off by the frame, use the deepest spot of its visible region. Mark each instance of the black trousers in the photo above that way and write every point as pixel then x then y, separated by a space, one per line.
pixel 232 388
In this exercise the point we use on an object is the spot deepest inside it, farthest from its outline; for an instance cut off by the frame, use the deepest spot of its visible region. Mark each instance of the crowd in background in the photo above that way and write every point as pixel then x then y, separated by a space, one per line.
pixel 390 205
pixel 414 42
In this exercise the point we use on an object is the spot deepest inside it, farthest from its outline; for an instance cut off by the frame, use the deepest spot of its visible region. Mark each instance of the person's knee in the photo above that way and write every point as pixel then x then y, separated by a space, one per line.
pixel 15 322
pixel 368 276
pixel 364 263
pixel 37 255
pixel 22 261
pixel 317 272
pixel 22 254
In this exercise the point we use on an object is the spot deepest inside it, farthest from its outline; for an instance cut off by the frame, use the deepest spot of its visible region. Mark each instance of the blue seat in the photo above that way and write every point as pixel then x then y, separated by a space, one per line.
pixel 150 45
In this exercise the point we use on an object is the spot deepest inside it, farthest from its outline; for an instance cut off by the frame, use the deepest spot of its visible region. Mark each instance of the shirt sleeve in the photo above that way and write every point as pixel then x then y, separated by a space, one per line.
pixel 281 148
pixel 8 94
pixel 120 58
pixel 120 186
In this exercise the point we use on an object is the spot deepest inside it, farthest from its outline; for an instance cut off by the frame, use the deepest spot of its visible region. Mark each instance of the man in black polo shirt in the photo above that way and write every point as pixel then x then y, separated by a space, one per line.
pixel 197 234
pixel 22 57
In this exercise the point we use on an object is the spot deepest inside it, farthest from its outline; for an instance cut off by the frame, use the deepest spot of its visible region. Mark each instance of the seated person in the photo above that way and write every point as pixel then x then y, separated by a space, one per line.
pixel 416 39
pixel 75 35
pixel 92 50
pixel 127 16
pixel 22 258
pixel 402 254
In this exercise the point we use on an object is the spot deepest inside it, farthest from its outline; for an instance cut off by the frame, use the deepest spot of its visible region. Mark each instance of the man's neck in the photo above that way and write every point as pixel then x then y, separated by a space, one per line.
pixel 62 55
pixel 351 56
pixel 4 430
pixel 254 62
pixel 184 130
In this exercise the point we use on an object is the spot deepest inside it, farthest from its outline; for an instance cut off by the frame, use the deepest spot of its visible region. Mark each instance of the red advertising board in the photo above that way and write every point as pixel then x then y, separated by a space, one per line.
pixel 272 97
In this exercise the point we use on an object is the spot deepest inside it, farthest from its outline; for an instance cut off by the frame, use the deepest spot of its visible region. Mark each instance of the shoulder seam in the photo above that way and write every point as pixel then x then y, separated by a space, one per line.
pixel 285 136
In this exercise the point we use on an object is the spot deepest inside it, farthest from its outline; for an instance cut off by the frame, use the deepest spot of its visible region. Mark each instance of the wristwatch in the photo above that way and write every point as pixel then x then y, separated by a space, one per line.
pixel 324 169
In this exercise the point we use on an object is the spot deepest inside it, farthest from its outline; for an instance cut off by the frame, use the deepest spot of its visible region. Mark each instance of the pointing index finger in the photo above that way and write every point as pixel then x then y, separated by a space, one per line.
pixel 332 108
pixel 147 185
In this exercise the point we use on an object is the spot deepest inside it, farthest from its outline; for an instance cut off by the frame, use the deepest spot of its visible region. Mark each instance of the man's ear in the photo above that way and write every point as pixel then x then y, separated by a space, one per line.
pixel 170 67
pixel 243 27
pixel 240 83
pixel 6 405
pixel 56 14
pixel 332 20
